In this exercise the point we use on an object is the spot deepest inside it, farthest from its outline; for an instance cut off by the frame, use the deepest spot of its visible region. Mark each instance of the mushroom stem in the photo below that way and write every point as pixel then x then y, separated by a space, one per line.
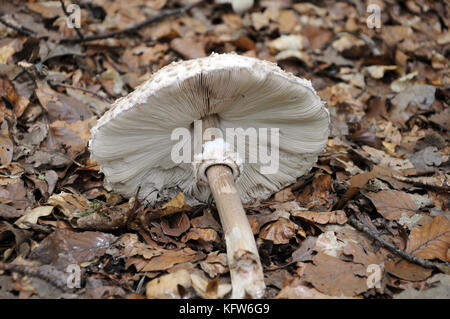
pixel 246 272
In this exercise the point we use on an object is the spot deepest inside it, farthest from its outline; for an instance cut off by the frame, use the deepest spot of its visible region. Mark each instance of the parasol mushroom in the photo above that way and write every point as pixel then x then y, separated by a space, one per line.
pixel 137 143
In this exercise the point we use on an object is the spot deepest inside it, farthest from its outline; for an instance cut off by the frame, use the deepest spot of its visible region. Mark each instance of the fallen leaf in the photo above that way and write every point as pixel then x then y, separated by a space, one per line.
pixel 176 205
pixel 432 240
pixel 406 103
pixel 288 42
pixel 438 288
pixel 279 232
pixel 70 204
pixel 62 107
pixel 406 270
pixel 356 183
pixel 189 48
pixel 207 288
pixel 64 247
pixel 378 71
pixel 165 260
pixel 298 290
pixel 392 204
pixel 33 216
pixel 335 277
pixel 167 286
pixel 176 226
pixel 215 264
pixel 335 217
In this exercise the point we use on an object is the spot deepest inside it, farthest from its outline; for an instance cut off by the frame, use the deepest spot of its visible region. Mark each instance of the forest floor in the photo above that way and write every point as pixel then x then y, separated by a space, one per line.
pixel 370 220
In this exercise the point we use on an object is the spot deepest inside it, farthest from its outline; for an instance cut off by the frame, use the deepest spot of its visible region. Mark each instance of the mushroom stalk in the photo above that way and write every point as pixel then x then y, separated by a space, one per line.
pixel 246 272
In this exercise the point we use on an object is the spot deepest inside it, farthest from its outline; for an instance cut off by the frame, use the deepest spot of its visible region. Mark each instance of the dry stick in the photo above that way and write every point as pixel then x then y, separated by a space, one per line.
pixel 135 27
pixel 400 252
pixel 247 277
pixel 19 29
pixel 77 30
pixel 81 89
pixel 46 273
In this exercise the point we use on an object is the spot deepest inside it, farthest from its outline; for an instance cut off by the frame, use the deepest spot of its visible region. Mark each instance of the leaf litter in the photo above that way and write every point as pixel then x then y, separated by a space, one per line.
pixel 386 162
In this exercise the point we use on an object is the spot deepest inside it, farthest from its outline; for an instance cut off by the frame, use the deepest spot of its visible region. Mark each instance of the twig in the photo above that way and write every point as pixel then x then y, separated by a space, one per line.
pixel 400 252
pixel 18 28
pixel 81 89
pixel 77 30
pixel 46 272
pixel 135 27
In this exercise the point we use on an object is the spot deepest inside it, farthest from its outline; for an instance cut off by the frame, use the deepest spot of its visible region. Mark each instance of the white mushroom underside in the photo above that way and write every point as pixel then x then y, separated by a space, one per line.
pixel 132 142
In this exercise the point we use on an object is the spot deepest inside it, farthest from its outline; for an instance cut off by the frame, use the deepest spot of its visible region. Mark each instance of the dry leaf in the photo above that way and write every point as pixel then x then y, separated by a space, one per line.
pixel 431 241
pixel 33 216
pixel 176 205
pixel 335 277
pixel 279 232
pixel 167 286
pixel 165 259
pixel 298 290
pixel 392 204
pixel 335 217
pixel 176 226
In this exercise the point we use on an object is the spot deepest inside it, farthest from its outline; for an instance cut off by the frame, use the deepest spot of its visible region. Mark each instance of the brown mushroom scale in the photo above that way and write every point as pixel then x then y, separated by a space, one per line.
pixel 235 127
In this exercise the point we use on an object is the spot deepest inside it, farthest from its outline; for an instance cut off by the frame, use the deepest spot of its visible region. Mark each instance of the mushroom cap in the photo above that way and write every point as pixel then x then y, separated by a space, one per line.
pixel 132 141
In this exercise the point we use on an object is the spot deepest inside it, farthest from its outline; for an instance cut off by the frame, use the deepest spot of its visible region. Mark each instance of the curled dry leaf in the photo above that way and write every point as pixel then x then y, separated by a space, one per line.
pixel 207 235
pixel 33 216
pixel 356 183
pixel 70 204
pixel 279 232
pixel 175 226
pixel 215 264
pixel 207 220
pixel 176 205
pixel 209 288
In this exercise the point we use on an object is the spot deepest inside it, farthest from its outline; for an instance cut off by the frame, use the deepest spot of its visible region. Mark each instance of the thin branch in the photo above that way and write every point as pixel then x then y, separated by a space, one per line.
pixel 135 27
pixel 77 30
pixel 400 252
pixel 81 89
pixel 46 272
pixel 19 29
